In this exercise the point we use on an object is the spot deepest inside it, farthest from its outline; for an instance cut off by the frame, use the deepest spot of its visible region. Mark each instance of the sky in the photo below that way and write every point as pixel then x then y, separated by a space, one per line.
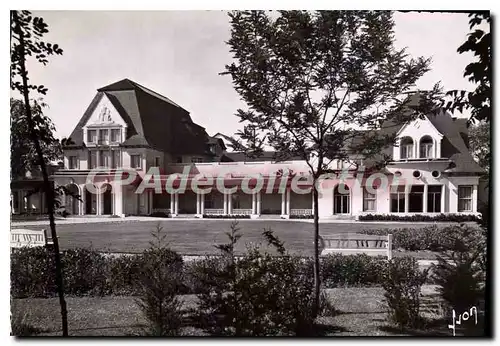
pixel 180 54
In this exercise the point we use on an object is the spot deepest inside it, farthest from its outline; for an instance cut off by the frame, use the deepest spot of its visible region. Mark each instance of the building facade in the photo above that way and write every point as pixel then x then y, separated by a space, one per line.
pixel 128 126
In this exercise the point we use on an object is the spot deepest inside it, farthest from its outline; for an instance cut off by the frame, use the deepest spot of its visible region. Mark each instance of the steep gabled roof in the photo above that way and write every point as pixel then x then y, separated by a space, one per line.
pixel 152 120
pixel 266 156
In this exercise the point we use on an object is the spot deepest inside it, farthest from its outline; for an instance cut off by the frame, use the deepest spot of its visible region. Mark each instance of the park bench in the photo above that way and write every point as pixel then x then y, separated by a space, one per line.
pixel 348 244
pixel 30 238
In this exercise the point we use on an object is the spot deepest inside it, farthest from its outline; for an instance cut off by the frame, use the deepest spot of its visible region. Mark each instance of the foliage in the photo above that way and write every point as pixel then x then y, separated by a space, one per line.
pixel 31 273
pixel 402 281
pixel 257 294
pixel 352 270
pixel 160 214
pixel 310 79
pixel 23 157
pixel 478 71
pixel 420 217
pixel 461 268
pixel 480 144
pixel 301 216
pixel 159 281
pixel 232 216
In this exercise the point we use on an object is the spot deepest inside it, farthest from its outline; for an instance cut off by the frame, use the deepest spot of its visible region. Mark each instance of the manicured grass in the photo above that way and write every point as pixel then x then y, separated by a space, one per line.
pixel 361 312
pixel 198 237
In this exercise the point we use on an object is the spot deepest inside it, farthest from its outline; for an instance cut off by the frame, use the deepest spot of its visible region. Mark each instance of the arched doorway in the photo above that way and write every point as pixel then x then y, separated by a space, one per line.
pixel 107 200
pixel 72 203
pixel 341 199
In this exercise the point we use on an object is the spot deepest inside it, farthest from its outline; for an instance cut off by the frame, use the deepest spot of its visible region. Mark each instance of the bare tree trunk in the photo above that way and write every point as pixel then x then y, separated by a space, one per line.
pixel 317 278
pixel 46 183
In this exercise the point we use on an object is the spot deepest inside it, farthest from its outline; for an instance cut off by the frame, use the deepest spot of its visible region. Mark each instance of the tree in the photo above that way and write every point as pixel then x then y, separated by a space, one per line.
pixel 26 41
pixel 310 78
pixel 479 72
pixel 479 144
pixel 23 156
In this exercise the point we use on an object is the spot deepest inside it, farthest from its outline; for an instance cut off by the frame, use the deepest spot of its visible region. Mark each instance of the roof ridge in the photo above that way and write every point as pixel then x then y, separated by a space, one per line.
pixel 154 93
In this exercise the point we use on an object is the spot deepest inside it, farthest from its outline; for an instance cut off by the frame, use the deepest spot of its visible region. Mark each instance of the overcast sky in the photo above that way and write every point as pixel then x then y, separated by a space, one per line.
pixel 180 55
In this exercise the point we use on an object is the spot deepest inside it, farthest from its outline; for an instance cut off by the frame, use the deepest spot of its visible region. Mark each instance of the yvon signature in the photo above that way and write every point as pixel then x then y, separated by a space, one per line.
pixel 462 317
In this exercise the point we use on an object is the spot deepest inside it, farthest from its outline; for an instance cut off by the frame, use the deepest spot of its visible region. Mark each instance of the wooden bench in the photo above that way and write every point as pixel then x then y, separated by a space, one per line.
pixel 357 243
pixel 30 238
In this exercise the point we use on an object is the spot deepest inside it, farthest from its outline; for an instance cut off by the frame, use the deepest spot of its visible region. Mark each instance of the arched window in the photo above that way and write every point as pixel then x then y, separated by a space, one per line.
pixel 406 148
pixel 426 146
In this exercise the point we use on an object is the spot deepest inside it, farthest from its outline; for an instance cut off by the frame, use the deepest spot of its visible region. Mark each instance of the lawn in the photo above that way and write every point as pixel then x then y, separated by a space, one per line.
pixel 360 312
pixel 198 237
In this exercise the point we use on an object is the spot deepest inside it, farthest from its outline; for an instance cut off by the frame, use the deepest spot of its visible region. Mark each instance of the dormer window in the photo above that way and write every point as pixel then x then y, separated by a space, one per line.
pixel 426 146
pixel 103 136
pixel 115 135
pixel 92 136
pixel 406 148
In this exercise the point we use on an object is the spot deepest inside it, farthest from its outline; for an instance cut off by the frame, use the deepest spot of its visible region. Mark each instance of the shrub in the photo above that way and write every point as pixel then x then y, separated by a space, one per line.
pixel 414 239
pixel 351 270
pixel 84 272
pixel 159 281
pixel 421 217
pixel 402 281
pixel 301 216
pixel 233 216
pixel 258 294
pixel 461 271
pixel 32 272
pixel 160 214
pixel 122 273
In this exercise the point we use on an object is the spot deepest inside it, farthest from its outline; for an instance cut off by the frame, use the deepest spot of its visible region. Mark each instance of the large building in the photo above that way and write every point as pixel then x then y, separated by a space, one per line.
pixel 128 126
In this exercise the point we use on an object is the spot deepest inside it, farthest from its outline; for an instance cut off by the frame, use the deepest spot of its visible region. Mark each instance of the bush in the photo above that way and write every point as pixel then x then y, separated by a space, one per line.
pixel 402 281
pixel 351 270
pixel 84 272
pixel 421 218
pixel 301 216
pixel 159 281
pixel 122 272
pixel 461 269
pixel 415 239
pixel 32 272
pixel 160 214
pixel 234 216
pixel 258 294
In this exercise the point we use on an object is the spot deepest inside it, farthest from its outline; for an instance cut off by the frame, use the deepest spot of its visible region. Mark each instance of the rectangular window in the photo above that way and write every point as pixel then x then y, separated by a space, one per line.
pixel 92 159
pixel 103 136
pixel 135 161
pixel 92 136
pixel 103 158
pixel 73 162
pixel 369 201
pixel 434 198
pixel 416 199
pixel 209 201
pixel 157 161
pixel 115 158
pixel 115 135
pixel 464 198
pixel 196 159
pixel 398 199
pixel 426 150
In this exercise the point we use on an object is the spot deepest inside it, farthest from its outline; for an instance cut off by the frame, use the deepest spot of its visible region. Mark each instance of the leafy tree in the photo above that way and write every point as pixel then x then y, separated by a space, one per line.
pixel 479 144
pixel 479 71
pixel 311 78
pixel 26 41
pixel 23 156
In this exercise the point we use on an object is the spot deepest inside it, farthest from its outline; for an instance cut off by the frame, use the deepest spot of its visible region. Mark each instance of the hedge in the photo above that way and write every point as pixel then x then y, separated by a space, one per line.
pixel 414 239
pixel 301 216
pixel 235 216
pixel 90 273
pixel 421 217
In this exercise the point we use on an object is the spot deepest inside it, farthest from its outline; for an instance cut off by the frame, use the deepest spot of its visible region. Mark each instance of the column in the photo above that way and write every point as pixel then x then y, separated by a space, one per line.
pixel 444 207
pixel 172 203
pixel 426 189
pixel 474 198
pixel 254 203
pixel 225 204
pixel 20 197
pixel 407 198
pixel 83 197
pixel 98 201
pixel 150 201
pixel 259 203
pixel 229 204
pixel 198 204
pixel 283 203
pixel 288 201
pixel 176 204
pixel 202 204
